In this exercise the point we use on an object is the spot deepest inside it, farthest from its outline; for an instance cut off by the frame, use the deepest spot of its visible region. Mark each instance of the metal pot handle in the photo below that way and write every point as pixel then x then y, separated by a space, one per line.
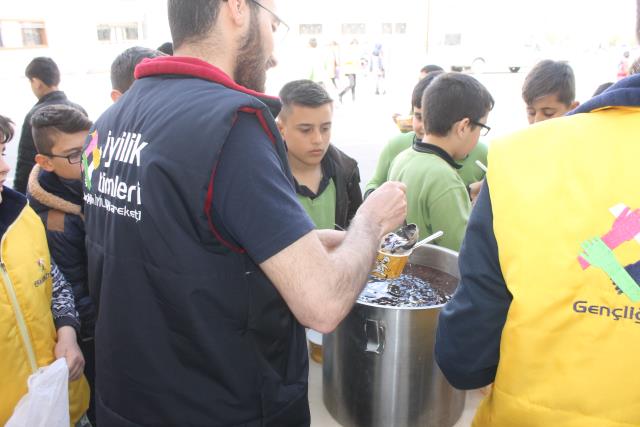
pixel 374 334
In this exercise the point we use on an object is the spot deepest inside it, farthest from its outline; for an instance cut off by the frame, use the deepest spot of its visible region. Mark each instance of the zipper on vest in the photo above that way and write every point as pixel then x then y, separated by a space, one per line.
pixel 22 325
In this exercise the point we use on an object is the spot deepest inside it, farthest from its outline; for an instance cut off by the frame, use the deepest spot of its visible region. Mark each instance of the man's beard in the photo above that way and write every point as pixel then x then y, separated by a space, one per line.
pixel 251 63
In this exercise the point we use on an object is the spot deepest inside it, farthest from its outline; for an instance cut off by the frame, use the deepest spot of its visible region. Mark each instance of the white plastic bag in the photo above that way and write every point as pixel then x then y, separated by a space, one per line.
pixel 46 404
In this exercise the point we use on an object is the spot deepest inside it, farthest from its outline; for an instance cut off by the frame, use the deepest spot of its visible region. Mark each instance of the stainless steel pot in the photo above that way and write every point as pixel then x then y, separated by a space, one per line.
pixel 379 368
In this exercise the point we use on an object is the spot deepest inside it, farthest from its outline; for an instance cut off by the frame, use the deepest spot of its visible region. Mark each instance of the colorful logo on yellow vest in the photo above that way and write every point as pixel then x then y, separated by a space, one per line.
pixel 91 159
pixel 598 252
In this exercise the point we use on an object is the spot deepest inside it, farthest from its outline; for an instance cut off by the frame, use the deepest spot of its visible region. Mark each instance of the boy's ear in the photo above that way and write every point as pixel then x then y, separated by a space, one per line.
pixel 44 162
pixel 462 126
pixel 115 95
pixel 280 125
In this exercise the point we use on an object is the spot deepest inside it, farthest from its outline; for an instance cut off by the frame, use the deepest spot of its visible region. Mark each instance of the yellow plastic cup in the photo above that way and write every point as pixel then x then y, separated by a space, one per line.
pixel 390 266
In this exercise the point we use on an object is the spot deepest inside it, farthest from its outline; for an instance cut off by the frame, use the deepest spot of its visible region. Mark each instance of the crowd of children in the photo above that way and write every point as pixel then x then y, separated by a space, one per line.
pixel 437 161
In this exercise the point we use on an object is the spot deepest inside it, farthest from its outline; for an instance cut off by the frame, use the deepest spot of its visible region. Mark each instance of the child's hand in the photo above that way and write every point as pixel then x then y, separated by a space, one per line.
pixel 67 347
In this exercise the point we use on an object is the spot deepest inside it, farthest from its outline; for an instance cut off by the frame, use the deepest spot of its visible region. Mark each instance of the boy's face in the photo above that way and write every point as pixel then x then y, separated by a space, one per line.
pixel 307 132
pixel 547 107
pixel 4 166
pixel 65 157
pixel 418 125
pixel 469 135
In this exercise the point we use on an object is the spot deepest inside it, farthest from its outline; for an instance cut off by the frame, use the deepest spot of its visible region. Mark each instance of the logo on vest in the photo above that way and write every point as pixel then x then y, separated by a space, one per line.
pixel 46 275
pixel 115 194
pixel 91 159
pixel 599 252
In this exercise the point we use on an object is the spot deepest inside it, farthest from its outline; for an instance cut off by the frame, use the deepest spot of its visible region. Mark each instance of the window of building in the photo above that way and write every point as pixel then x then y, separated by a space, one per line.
pixel 1 43
pixel 452 39
pixel 33 34
pixel 354 29
pixel 309 29
pixel 387 28
pixel 401 28
pixel 118 32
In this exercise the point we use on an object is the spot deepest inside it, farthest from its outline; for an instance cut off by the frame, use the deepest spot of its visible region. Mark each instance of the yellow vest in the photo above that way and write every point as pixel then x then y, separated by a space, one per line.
pixel 570 348
pixel 27 332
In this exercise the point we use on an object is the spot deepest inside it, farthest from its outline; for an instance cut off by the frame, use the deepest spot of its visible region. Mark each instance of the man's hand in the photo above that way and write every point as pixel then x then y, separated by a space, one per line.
pixel 67 347
pixel 386 208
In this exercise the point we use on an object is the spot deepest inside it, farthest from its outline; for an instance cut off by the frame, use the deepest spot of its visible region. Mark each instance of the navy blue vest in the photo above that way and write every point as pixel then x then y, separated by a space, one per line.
pixel 189 331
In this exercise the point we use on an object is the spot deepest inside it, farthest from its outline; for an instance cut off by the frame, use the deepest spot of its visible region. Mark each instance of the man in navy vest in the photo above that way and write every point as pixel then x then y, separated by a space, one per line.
pixel 203 264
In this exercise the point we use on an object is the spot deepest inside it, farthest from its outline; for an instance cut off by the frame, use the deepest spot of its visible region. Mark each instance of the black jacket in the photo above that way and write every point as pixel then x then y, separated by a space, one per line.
pixel 26 148
pixel 347 181
pixel 59 204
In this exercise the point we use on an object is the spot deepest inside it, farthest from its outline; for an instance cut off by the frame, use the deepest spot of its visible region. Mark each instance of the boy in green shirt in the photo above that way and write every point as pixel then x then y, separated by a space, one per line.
pixel 327 180
pixel 469 171
pixel 455 109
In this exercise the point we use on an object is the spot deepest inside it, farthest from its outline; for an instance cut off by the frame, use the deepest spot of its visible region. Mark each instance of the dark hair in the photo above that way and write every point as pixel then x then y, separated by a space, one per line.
pixel 602 88
pixel 548 78
pixel 431 68
pixel 453 97
pixel 166 48
pixel 303 93
pixel 44 69
pixel 56 118
pixel 124 65
pixel 418 90
pixel 6 129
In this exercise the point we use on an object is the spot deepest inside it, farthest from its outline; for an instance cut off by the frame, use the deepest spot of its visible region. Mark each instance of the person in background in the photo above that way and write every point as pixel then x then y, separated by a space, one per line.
pixel 327 180
pixel 455 108
pixel 635 67
pixel 350 68
pixel 44 77
pixel 549 91
pixel 123 67
pixel 424 71
pixel 39 322
pixel 166 48
pixel 193 220
pixel 55 194
pixel 623 66
pixel 602 88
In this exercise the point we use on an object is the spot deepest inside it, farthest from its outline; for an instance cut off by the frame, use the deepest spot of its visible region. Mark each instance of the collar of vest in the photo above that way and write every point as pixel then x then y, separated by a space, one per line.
pixel 425 147
pixel 13 203
pixel 625 93
pixel 193 67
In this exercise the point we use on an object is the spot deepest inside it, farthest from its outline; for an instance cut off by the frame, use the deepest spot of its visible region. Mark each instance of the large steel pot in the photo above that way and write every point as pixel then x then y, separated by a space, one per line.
pixel 379 368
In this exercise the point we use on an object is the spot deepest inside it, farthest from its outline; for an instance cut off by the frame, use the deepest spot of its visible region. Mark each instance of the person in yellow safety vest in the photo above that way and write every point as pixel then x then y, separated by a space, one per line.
pixel 548 306
pixel 32 289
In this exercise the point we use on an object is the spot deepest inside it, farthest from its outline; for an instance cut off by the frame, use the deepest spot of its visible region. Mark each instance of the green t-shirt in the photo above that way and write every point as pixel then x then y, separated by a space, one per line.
pixel 321 209
pixel 470 172
pixel 436 195
pixel 395 146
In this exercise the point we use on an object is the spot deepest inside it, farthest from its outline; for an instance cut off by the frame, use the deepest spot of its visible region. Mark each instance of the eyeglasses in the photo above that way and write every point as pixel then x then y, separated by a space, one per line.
pixel 485 129
pixel 73 158
pixel 279 27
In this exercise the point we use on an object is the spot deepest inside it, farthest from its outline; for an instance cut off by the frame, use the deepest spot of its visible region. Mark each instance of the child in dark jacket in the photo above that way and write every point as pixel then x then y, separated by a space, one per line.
pixel 55 193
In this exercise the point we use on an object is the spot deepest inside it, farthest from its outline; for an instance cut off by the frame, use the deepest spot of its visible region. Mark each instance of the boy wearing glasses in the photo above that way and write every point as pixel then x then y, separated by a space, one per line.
pixel 455 108
pixel 55 193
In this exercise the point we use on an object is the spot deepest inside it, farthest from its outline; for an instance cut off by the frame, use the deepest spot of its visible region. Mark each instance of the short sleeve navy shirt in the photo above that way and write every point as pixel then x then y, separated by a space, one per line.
pixel 254 199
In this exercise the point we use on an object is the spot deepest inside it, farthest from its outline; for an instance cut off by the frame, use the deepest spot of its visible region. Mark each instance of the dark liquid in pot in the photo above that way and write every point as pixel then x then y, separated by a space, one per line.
pixel 418 286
